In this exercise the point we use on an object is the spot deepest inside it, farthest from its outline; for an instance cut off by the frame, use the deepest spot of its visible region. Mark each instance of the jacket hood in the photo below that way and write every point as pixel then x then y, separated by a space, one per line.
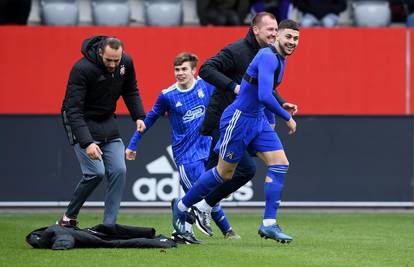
pixel 90 48
pixel 251 39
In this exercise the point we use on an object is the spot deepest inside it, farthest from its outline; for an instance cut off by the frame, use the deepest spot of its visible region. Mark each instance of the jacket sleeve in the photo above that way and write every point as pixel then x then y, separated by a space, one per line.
pixel 212 70
pixel 75 105
pixel 130 93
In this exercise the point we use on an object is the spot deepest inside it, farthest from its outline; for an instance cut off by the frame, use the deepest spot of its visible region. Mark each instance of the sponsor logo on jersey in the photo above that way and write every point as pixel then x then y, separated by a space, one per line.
pixel 194 113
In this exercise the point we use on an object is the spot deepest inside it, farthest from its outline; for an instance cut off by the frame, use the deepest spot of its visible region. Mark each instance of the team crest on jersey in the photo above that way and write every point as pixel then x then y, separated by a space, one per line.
pixel 229 155
pixel 122 70
pixel 200 93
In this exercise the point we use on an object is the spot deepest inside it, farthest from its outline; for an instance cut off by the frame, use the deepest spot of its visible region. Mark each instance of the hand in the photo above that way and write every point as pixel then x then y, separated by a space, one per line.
pixel 291 108
pixel 94 152
pixel 141 126
pixel 237 89
pixel 130 154
pixel 291 124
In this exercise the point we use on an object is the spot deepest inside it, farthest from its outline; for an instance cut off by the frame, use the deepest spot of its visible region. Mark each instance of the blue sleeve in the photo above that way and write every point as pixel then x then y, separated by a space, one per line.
pixel 158 110
pixel 267 66
pixel 270 116
pixel 134 140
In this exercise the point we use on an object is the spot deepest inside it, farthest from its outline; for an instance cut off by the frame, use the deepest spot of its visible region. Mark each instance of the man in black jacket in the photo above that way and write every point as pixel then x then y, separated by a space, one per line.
pixel 95 84
pixel 225 70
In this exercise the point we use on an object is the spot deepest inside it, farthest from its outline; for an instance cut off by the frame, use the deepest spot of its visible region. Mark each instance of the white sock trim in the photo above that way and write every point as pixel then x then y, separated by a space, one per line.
pixel 269 222
pixel 203 206
pixel 181 206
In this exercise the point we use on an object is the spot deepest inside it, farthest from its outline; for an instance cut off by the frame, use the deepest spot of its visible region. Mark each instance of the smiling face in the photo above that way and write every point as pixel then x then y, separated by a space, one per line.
pixel 287 41
pixel 184 74
pixel 111 58
pixel 265 31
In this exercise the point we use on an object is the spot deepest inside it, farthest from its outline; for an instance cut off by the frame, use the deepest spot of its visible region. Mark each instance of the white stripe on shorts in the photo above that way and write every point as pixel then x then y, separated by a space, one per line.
pixel 228 133
pixel 184 177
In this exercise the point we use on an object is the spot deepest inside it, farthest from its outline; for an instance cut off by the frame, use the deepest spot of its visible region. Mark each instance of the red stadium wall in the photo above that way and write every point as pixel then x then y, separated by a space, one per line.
pixel 334 71
pixel 411 70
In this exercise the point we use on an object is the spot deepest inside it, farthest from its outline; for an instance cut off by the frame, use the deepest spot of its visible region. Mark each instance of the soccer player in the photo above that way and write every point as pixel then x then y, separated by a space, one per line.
pixel 185 102
pixel 244 127
pixel 225 71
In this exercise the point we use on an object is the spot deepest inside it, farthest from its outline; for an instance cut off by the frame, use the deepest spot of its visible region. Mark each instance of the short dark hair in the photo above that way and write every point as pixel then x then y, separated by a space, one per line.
pixel 112 42
pixel 259 16
pixel 186 57
pixel 289 24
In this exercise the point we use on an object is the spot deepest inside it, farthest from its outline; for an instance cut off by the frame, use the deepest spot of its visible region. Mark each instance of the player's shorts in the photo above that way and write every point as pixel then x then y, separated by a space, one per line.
pixel 190 172
pixel 242 131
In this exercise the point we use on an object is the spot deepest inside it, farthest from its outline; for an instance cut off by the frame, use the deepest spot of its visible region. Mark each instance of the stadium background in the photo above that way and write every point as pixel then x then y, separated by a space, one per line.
pixel 354 89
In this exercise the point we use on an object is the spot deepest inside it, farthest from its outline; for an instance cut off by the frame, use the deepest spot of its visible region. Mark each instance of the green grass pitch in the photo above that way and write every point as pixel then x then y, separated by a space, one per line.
pixel 320 239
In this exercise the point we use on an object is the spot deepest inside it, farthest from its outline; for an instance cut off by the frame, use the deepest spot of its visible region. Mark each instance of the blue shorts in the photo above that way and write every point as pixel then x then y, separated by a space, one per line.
pixel 190 172
pixel 240 132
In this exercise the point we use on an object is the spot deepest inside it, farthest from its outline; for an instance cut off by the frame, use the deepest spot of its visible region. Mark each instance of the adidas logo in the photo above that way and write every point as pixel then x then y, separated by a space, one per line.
pixel 163 182
pixel 178 104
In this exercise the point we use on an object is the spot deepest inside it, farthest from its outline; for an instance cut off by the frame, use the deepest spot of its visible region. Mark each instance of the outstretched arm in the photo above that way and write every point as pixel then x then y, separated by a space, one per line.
pixel 158 110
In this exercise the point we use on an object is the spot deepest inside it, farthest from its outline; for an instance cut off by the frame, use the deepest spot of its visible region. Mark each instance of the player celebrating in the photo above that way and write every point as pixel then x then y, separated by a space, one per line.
pixel 244 126
pixel 185 102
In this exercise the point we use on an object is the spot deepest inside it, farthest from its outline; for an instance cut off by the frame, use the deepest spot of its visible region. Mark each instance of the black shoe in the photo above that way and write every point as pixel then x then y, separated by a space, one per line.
pixel 186 238
pixel 203 220
pixel 69 223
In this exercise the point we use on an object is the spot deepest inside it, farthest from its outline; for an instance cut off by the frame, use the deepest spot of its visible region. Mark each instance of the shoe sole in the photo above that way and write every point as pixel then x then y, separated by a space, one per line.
pixel 200 227
pixel 182 240
pixel 279 240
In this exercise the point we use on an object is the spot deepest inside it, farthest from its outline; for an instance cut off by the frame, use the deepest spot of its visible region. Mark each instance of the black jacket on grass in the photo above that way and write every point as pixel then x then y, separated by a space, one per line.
pixel 92 92
pixel 100 236
pixel 225 70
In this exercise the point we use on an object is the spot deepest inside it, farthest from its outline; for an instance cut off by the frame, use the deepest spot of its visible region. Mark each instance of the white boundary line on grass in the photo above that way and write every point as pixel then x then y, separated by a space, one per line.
pixel 131 204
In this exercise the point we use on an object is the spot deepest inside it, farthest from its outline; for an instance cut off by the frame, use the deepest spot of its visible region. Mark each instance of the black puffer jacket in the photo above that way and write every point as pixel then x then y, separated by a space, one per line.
pixel 92 93
pixel 100 236
pixel 225 70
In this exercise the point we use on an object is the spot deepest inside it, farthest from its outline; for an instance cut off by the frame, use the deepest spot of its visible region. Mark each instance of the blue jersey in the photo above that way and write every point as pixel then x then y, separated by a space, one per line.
pixel 186 110
pixel 254 98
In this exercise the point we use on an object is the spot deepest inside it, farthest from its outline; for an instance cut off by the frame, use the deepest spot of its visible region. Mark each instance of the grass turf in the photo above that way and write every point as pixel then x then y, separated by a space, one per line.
pixel 320 239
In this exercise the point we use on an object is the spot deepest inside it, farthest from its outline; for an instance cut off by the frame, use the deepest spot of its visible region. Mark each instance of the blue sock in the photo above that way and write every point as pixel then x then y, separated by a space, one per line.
pixel 273 189
pixel 206 183
pixel 218 216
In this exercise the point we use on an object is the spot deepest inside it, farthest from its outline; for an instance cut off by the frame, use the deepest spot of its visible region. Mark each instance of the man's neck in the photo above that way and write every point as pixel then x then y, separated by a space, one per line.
pixel 279 50
pixel 187 85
